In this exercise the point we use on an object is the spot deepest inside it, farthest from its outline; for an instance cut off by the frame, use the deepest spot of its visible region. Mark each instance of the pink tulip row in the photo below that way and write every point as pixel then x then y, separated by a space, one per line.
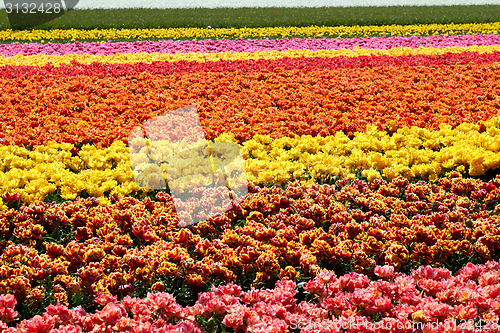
pixel 241 45
pixel 427 300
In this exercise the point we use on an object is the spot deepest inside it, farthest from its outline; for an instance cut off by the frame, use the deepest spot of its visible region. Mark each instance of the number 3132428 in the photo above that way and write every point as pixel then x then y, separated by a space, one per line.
pixel 33 8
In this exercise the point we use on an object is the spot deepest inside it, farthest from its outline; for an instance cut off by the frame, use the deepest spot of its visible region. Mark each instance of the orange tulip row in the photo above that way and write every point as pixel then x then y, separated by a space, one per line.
pixel 100 109
pixel 293 232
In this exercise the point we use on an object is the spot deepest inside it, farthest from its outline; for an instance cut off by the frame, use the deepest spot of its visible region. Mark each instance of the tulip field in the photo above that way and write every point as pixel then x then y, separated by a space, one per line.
pixel 371 155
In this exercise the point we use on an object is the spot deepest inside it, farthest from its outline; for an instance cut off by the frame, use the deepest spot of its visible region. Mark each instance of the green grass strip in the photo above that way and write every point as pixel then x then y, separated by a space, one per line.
pixel 264 17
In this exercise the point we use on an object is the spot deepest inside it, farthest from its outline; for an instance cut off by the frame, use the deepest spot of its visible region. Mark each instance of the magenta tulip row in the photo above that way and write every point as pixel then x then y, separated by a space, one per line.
pixel 241 45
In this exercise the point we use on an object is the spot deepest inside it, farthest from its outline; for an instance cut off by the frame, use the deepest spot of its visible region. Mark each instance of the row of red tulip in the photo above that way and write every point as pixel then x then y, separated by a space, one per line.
pixel 306 64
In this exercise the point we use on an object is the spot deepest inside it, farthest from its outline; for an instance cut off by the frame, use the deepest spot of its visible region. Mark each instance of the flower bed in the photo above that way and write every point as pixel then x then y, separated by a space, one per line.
pixel 228 33
pixel 243 45
pixel 353 302
pixel 371 167
pixel 42 109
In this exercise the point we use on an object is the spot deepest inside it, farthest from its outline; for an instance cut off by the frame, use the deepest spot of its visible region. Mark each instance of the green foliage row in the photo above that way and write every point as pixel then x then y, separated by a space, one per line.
pixel 263 17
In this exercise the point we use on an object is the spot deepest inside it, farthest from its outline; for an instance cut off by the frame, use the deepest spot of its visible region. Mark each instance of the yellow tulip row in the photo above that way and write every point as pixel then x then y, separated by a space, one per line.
pixel 409 152
pixel 133 58
pixel 311 31
pixel 188 165
pixel 35 173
